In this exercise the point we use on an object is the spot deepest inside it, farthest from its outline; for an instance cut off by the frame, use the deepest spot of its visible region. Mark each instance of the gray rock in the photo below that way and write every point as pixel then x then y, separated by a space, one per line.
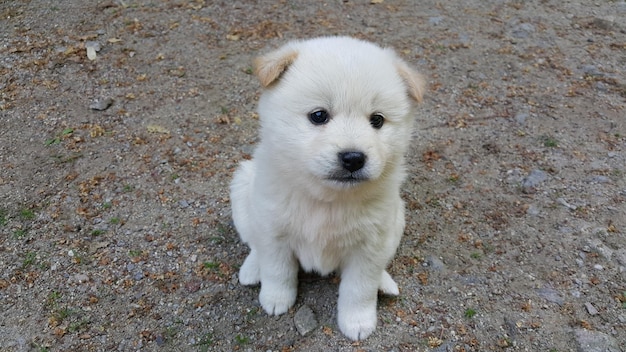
pixel 521 117
pixel 101 104
pixel 600 179
pixel 597 246
pixel 81 278
pixel 530 182
pixel 595 341
pixel 435 263
pixel 551 295
pixel 446 347
pixel 522 30
pixel 435 20
pixel 591 309
pixel 92 44
pixel 591 70
pixel 138 276
pixel 620 255
pixel 305 320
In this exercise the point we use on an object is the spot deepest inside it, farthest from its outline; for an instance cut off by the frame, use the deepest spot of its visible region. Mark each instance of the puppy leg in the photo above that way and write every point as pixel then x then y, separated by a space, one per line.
pixel 358 294
pixel 279 279
pixel 387 285
pixel 249 273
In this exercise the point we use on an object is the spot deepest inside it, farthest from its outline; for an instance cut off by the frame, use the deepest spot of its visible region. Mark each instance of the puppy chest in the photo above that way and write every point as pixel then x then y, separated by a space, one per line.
pixel 322 258
pixel 322 248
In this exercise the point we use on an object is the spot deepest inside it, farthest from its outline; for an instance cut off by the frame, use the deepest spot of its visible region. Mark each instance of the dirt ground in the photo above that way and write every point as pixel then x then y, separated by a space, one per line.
pixel 123 121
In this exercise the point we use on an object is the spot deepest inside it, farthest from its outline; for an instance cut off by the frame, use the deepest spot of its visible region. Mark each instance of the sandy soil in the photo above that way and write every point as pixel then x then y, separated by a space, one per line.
pixel 114 170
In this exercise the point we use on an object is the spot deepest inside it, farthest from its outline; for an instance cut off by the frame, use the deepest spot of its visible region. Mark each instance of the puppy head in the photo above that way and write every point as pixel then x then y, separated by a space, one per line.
pixel 336 112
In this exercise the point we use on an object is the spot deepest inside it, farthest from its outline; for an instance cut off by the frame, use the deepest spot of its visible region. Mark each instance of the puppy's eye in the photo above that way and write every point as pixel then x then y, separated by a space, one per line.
pixel 319 117
pixel 377 120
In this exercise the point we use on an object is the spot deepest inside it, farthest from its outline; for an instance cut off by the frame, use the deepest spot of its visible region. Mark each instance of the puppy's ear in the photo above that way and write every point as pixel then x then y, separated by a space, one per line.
pixel 414 81
pixel 269 67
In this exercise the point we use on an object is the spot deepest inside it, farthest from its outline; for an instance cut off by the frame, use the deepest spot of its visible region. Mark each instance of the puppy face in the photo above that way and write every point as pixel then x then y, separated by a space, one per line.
pixel 336 113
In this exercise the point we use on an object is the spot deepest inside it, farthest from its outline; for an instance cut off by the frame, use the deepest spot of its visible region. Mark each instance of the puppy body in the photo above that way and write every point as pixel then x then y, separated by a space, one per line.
pixel 325 196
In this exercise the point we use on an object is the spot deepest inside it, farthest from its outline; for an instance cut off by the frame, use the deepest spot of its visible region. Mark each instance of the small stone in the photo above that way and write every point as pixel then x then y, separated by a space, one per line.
pixel 81 278
pixel 533 210
pixel 591 70
pixel 435 263
pixel 101 104
pixel 591 309
pixel 551 295
pixel 600 179
pixel 92 44
pixel 620 255
pixel 595 341
pixel 533 180
pixel 435 21
pixel 598 267
pixel 130 266
pixel 521 117
pixel 522 30
pixel 138 276
pixel 597 246
pixel 305 320
pixel 564 203
pixel 183 203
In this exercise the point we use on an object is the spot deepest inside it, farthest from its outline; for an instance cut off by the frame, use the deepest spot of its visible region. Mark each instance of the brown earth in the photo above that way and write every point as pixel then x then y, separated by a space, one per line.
pixel 115 223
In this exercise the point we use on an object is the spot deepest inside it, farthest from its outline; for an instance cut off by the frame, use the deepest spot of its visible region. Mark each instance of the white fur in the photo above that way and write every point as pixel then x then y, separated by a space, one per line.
pixel 284 205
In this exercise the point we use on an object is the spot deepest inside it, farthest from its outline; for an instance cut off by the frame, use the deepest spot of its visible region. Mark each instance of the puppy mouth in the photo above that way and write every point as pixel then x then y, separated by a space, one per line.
pixel 348 178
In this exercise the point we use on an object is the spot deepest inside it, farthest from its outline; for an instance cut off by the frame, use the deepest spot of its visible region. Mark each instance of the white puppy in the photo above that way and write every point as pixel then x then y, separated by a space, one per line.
pixel 322 189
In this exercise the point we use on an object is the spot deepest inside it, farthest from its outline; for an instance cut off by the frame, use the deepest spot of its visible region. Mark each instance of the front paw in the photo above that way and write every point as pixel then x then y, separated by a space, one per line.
pixel 249 273
pixel 387 285
pixel 357 322
pixel 276 299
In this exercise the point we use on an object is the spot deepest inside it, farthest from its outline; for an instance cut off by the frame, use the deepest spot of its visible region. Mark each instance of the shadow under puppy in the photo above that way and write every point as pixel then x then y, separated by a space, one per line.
pixel 323 187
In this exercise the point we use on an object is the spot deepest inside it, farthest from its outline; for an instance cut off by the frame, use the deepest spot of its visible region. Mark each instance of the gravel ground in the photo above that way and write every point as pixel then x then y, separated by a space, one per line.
pixel 122 122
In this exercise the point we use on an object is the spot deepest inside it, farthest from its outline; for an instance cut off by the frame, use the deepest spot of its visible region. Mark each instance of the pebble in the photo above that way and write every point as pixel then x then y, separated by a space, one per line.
pixel 591 309
pixel 183 203
pixel 101 104
pixel 620 255
pixel 600 179
pixel 551 295
pixel 93 44
pixel 591 70
pixel 435 263
pixel 521 117
pixel 533 210
pixel 564 203
pixel 597 246
pixel 305 320
pixel 595 341
pixel 435 21
pixel 522 30
pixel 533 180
pixel 81 278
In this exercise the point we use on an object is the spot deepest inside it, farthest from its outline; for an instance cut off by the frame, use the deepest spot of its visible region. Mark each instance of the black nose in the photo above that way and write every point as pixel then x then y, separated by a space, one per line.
pixel 352 161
